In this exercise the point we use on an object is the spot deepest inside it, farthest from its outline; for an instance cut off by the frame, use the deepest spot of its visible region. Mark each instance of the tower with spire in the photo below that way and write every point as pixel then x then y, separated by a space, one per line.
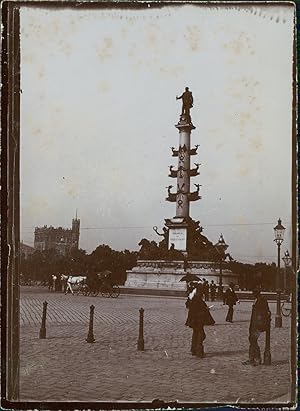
pixel 75 231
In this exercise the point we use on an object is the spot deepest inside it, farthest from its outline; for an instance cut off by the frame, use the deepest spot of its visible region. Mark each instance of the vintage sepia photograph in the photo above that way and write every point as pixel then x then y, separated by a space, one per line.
pixel 151 253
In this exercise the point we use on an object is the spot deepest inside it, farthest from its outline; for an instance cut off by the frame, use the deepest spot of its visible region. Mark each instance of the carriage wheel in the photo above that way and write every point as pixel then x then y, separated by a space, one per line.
pixel 285 310
pixel 85 291
pixel 105 292
pixel 115 292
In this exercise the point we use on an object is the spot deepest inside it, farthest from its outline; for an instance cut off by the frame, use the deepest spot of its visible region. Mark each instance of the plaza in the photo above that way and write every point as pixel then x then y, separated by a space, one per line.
pixel 64 367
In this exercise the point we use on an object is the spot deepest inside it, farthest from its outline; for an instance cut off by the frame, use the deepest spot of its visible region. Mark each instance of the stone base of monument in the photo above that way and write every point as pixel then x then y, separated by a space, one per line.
pixel 162 274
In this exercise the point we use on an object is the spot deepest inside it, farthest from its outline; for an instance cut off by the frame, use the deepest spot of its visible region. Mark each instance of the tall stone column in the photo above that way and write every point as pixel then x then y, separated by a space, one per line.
pixel 181 225
pixel 183 172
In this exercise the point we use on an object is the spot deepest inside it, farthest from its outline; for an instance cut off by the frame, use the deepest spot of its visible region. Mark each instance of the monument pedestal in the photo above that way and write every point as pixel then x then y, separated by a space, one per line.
pixel 162 274
pixel 156 274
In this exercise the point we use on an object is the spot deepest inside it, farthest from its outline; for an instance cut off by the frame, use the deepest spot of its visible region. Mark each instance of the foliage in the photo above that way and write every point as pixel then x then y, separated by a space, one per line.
pixel 261 275
pixel 41 264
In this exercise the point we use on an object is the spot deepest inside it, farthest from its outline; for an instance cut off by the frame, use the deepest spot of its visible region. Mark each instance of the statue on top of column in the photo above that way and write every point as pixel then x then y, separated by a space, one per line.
pixel 187 103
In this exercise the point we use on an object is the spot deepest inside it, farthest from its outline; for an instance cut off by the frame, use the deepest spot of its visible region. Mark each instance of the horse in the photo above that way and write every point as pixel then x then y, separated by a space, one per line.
pixel 72 280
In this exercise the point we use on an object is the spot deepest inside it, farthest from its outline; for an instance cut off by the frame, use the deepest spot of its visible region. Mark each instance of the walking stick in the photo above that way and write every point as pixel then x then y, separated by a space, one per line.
pixel 90 337
pixel 140 343
pixel 43 326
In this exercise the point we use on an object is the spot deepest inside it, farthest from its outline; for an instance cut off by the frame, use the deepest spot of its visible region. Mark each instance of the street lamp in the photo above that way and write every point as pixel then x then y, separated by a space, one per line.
pixel 221 247
pixel 279 233
pixel 287 263
pixel 292 285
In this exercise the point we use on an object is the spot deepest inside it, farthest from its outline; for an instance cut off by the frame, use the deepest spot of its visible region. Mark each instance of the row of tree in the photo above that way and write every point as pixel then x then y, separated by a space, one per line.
pixel 261 275
pixel 41 264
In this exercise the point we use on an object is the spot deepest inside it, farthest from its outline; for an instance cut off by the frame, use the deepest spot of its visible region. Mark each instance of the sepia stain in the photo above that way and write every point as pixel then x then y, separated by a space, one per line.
pixel 174 71
pixel 104 87
pixel 244 118
pixel 244 171
pixel 219 146
pixel 240 219
pixel 38 204
pixel 41 72
pixel 124 32
pixel 66 49
pixel 256 143
pixel 72 192
pixel 193 37
pixel 240 44
pixel 36 131
pixel 105 50
pixel 132 50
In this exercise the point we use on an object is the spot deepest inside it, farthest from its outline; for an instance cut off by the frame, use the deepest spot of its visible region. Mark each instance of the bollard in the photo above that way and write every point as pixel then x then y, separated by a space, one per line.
pixel 90 337
pixel 43 326
pixel 140 342
pixel 267 353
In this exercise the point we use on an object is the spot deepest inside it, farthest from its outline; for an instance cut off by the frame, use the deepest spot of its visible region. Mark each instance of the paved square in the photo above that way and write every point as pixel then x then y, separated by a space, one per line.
pixel 64 367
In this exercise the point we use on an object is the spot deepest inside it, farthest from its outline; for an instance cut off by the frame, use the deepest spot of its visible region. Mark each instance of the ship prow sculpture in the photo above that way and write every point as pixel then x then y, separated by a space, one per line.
pixel 183 247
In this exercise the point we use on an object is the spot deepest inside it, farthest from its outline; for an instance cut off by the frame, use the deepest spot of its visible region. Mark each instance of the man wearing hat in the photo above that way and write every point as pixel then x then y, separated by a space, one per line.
pixel 230 299
pixel 259 322
pixel 198 316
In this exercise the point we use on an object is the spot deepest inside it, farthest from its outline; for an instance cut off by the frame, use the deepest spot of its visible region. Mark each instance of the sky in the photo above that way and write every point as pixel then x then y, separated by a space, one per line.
pixel 98 109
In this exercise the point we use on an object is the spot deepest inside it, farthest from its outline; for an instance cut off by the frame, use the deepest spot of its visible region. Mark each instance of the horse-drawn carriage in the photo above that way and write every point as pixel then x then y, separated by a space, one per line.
pixel 100 283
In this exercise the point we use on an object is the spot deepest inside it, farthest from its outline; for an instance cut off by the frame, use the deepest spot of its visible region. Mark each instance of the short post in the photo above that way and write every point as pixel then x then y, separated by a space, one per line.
pixel 43 326
pixel 267 353
pixel 140 343
pixel 90 337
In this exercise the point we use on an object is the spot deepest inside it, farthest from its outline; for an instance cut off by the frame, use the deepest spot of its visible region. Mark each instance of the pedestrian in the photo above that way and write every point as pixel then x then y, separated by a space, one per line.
pixel 64 279
pixel 198 317
pixel 54 286
pixel 69 286
pixel 230 299
pixel 50 282
pixel 213 289
pixel 259 322
pixel 206 290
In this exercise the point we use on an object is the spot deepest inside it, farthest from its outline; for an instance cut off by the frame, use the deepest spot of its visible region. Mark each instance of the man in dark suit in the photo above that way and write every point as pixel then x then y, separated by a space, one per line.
pixel 198 317
pixel 213 289
pixel 259 322
pixel 230 299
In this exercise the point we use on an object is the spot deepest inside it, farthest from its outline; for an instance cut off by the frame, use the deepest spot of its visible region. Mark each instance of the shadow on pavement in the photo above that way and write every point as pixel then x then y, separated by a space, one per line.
pixel 221 353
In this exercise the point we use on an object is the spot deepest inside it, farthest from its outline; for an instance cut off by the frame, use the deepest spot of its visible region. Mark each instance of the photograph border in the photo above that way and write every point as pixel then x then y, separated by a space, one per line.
pixel 10 205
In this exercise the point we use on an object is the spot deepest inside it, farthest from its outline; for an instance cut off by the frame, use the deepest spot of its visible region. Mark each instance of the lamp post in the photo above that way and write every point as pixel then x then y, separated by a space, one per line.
pixel 221 247
pixel 287 259
pixel 279 233
pixel 287 263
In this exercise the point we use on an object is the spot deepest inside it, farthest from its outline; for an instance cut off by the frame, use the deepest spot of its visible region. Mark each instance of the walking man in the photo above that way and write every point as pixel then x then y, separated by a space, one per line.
pixel 259 322
pixel 206 290
pixel 69 286
pixel 213 289
pixel 198 316
pixel 231 300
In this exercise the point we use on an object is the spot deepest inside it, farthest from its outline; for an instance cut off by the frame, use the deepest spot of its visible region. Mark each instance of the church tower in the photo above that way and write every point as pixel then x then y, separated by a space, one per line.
pixel 75 231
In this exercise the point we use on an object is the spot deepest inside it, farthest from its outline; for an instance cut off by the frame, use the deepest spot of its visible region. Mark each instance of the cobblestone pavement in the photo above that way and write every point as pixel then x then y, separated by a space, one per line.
pixel 64 367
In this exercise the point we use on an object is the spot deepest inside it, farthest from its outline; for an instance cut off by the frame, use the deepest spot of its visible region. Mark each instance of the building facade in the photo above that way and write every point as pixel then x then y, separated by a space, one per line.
pixel 61 239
